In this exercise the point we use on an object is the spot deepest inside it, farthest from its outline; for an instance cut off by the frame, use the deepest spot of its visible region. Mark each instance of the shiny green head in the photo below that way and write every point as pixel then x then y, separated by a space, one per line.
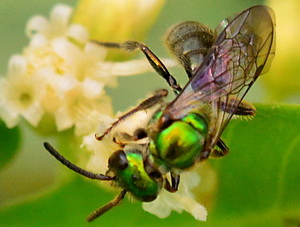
pixel 180 144
pixel 135 175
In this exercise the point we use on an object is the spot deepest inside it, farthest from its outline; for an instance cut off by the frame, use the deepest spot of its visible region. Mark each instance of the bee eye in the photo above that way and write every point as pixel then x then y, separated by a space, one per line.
pixel 118 160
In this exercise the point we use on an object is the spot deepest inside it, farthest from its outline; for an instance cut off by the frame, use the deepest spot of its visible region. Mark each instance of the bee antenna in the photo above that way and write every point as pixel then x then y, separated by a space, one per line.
pixel 101 210
pixel 74 167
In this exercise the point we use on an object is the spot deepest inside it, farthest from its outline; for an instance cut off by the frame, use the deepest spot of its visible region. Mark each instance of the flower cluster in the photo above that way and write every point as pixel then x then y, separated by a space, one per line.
pixel 61 74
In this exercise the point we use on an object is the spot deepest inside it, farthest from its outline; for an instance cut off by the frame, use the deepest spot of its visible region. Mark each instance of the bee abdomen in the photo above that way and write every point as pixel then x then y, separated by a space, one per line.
pixel 189 42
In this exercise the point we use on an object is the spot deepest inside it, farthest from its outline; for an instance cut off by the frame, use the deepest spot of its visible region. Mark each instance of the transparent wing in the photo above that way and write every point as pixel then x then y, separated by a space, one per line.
pixel 243 50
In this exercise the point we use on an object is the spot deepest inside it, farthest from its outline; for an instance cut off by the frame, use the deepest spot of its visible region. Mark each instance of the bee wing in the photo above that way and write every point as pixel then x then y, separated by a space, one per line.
pixel 243 50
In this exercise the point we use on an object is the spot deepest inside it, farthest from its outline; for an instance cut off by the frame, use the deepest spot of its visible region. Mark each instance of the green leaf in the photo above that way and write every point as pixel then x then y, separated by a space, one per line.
pixel 258 184
pixel 259 179
pixel 9 143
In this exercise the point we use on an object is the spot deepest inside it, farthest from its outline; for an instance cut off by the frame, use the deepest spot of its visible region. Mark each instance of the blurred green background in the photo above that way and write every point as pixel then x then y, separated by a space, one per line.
pixel 32 174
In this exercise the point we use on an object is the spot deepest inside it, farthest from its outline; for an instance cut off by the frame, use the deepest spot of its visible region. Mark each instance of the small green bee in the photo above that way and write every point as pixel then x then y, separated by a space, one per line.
pixel 221 67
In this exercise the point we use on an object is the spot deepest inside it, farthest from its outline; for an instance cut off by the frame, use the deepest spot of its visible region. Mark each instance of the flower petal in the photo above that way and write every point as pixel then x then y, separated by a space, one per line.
pixel 10 118
pixel 183 199
pixel 62 119
pixel 59 18
pixel 36 24
pixel 92 88
pixel 66 50
pixel 37 41
pixel 34 114
pixel 17 66
pixel 78 33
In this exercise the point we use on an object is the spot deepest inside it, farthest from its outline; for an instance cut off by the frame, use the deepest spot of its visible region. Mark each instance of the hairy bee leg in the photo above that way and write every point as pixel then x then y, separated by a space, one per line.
pixel 243 108
pixel 115 202
pixel 175 179
pixel 146 104
pixel 154 61
pixel 221 151
pixel 74 167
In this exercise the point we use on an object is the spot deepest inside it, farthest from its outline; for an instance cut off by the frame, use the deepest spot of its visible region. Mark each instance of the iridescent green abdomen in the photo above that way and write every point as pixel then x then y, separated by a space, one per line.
pixel 179 145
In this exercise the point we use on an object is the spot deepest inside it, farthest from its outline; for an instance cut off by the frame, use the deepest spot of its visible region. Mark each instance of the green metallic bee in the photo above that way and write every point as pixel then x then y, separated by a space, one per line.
pixel 221 66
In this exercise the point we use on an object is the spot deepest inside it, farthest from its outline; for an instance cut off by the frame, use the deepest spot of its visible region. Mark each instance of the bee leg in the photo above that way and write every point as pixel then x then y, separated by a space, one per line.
pixel 168 186
pixel 238 107
pixel 175 178
pixel 154 61
pixel 220 151
pixel 146 104
pixel 123 138
pixel 245 109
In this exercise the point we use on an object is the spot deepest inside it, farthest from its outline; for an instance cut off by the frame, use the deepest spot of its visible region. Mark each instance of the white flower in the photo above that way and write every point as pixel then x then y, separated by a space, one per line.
pixel 100 152
pixel 181 200
pixel 81 111
pixel 21 94
pixel 62 74
pixel 56 26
